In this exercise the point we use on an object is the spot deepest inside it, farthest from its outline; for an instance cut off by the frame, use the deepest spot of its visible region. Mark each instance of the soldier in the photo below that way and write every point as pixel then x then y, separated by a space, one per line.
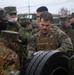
pixel 3 20
pixel 67 27
pixel 49 38
pixel 15 44
pixel 11 13
pixel 27 28
pixel 64 24
pixel 9 46
pixel 9 60
pixel 13 24
pixel 38 13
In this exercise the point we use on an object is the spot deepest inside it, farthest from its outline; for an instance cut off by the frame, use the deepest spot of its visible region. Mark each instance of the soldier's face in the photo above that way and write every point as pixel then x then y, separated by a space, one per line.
pixel 45 26
pixel 12 15
pixel 38 16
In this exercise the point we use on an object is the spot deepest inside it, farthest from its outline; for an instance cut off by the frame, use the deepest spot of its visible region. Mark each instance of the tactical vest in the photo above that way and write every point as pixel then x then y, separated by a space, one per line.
pixel 46 43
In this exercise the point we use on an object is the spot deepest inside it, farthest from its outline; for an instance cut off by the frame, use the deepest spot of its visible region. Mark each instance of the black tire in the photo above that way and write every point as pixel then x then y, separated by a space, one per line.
pixel 72 65
pixel 49 63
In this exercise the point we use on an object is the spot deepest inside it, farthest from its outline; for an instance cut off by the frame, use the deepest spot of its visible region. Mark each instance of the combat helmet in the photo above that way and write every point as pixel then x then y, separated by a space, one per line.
pixel 10 35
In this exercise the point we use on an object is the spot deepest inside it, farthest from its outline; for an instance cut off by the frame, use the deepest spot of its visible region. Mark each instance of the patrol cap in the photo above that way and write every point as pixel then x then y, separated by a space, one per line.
pixel 11 35
pixel 10 9
pixel 2 14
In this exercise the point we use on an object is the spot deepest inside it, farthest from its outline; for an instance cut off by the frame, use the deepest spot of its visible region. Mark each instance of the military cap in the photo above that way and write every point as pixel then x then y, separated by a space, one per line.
pixel 2 14
pixel 10 9
pixel 10 35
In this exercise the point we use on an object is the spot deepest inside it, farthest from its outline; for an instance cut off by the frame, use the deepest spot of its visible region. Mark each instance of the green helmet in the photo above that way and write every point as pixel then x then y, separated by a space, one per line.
pixel 10 35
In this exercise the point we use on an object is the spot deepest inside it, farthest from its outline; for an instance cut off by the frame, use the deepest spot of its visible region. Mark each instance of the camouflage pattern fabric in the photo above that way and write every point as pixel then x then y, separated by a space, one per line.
pixel 71 35
pixel 20 48
pixel 70 32
pixel 9 60
pixel 35 24
pixel 18 28
pixel 28 33
pixel 35 31
pixel 21 51
pixel 66 29
pixel 10 9
pixel 13 26
pixel 56 39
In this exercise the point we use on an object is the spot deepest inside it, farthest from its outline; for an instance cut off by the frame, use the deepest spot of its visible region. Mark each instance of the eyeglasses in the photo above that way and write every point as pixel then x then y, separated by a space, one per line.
pixel 12 13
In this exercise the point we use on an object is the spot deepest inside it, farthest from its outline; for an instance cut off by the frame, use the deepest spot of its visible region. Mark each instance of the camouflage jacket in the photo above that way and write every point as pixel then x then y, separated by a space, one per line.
pixel 55 39
pixel 16 27
pixel 66 29
pixel 34 31
pixel 26 33
pixel 9 60
pixel 70 32
pixel 71 35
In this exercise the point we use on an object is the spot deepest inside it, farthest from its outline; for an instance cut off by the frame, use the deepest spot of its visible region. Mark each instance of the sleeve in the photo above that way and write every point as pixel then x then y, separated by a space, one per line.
pixel 22 32
pixel 32 44
pixel 65 42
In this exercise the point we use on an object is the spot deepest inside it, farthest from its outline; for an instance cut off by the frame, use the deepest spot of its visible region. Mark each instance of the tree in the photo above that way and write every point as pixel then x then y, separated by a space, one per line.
pixel 64 11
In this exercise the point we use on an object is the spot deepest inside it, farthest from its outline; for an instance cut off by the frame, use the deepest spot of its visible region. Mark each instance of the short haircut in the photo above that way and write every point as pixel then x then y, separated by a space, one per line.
pixel 42 8
pixel 46 16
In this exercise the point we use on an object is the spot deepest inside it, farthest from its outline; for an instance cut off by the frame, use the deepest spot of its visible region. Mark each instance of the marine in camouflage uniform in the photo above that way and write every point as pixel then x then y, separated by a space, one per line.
pixel 38 13
pixel 49 38
pixel 64 24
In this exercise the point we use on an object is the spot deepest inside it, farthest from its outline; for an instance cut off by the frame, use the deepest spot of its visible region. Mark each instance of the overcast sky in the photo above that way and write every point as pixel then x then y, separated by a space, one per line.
pixel 53 5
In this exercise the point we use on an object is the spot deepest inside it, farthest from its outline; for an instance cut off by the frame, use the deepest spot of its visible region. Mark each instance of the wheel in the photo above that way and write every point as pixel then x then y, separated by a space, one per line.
pixel 49 63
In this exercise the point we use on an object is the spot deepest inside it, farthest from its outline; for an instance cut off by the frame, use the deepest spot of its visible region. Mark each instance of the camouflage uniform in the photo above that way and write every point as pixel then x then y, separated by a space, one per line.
pixel 14 26
pixel 18 28
pixel 17 47
pixel 27 33
pixel 9 60
pixel 35 24
pixel 70 32
pixel 55 39
pixel 71 35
